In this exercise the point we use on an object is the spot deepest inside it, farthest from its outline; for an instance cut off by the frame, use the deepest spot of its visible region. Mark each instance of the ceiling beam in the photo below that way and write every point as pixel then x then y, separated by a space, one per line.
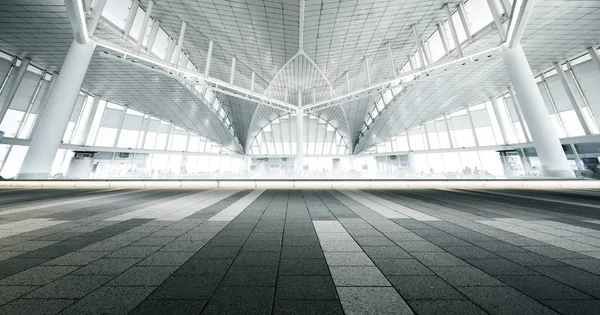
pixel 407 77
pixel 521 11
pixel 196 77
pixel 76 14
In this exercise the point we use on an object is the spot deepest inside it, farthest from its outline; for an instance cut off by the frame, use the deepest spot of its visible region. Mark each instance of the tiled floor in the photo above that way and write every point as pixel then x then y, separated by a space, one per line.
pixel 77 251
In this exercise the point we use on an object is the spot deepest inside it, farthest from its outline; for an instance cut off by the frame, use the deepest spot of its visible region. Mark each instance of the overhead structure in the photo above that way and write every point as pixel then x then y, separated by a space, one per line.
pixel 370 70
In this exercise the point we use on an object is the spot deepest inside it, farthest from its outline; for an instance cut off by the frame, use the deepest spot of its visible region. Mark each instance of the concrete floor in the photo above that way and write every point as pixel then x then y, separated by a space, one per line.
pixel 178 251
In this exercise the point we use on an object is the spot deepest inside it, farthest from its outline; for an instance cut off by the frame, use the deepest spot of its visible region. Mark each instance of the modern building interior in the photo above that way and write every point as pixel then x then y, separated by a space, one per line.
pixel 299 157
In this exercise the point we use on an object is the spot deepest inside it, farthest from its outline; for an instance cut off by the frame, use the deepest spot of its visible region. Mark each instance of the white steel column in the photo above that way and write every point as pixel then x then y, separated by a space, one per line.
pixel 502 121
pixel 140 39
pixel 595 57
pixel 453 31
pixel 545 139
pixel 208 58
pixel 519 114
pixel 53 121
pixel 179 47
pixel 472 127
pixel 444 38
pixel 299 139
pixel 13 87
pixel 90 119
pixel 391 58
pixel 121 122
pixel 420 51
pixel 563 80
pixel 448 130
pixel 463 18
pixel 496 10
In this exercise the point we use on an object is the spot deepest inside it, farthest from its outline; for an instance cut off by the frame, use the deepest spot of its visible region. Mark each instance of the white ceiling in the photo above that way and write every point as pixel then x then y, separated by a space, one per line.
pixel 264 35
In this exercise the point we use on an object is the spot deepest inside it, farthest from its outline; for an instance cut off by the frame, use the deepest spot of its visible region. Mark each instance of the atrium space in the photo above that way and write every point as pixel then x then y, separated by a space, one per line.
pixel 299 157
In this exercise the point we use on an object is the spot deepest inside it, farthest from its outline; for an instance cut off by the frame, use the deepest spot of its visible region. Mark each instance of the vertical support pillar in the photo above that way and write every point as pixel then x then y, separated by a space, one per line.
pixel 179 47
pixel 463 18
pixel 553 105
pixel 140 39
pixel 97 9
pixel 14 86
pixel 420 51
pixel 472 127
pixel 208 58
pixel 502 121
pixel 368 71
pixel 444 38
pixel 88 124
pixel 595 57
pixel 121 122
pixel 299 139
pixel 347 82
pixel 565 84
pixel 425 134
pixel 252 79
pixel 448 130
pixel 53 121
pixel 520 114
pixel 578 161
pixel 391 59
pixel 232 73
pixel 496 9
pixel 130 18
pixel 545 139
pixel 152 35
pixel 453 31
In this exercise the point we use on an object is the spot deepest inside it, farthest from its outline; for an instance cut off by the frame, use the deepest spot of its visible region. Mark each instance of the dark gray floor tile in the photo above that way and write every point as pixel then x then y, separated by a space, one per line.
pixel 11 292
pixel 305 288
pixel 574 307
pixel 301 252
pixel 424 288
pixel 504 300
pixel 385 252
pixel 570 275
pixel 109 300
pixel 466 276
pixel 241 300
pixel 448 307
pixel 105 266
pixel 69 287
pixel 401 267
pixel 438 259
pixel 76 259
pixel 39 275
pixel 307 307
pixel 204 267
pixel 530 259
pixel 307 267
pixel 501 267
pixel 166 259
pixel 143 276
pixel 543 288
pixel 217 252
pixel 35 306
pixel 134 251
pixel 466 252
pixel 188 287
pixel 171 307
pixel 257 259
pixel 240 275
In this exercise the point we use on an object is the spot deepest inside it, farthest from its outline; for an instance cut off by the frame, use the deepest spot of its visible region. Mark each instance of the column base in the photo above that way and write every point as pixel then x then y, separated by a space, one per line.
pixel 558 173
pixel 32 176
